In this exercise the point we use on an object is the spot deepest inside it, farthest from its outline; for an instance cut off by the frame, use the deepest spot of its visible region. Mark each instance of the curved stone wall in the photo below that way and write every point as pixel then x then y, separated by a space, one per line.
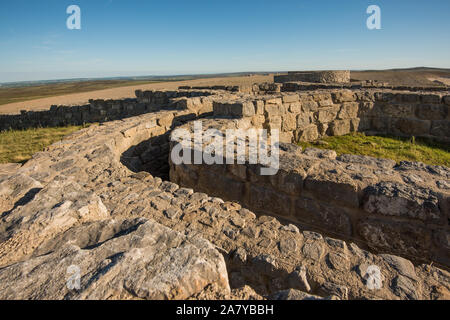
pixel 77 203
pixel 393 208
pixel 308 116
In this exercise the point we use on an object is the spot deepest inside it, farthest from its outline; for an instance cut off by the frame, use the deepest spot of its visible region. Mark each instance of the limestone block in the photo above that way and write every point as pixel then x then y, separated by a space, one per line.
pixel 286 137
pixel 348 110
pixel 313 212
pixel 295 107
pixel 309 133
pixel 355 125
pixel 411 126
pixel 431 98
pixel 431 112
pixel 446 100
pixel 343 96
pixel 268 200
pixel 236 109
pixel 381 124
pixel 304 119
pixel 258 120
pixel 309 105
pixel 259 107
pixel 410 239
pixel 138 259
pixel 330 182
pixel 326 114
pixel 276 101
pixel 400 110
pixel 289 122
pixel 288 182
pixel 290 98
pixel 440 128
pixel 339 127
pixel 395 199
pixel 408 98
pixel 272 110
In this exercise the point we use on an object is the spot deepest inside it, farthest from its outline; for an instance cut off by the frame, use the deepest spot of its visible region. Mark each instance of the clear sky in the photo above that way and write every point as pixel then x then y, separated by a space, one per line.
pixel 149 37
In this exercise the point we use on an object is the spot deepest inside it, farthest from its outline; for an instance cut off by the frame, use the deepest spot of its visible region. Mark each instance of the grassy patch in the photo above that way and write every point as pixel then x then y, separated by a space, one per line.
pixel 395 148
pixel 19 145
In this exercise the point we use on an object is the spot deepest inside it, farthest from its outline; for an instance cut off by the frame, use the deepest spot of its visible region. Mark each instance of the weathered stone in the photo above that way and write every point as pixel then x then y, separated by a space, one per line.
pixel 404 288
pixel 343 96
pixel 288 246
pixel 412 127
pixel 394 199
pixel 397 237
pixel 339 127
pixel 333 184
pixel 431 112
pixel 365 160
pixel 290 98
pixel 326 114
pixel 148 262
pixel 320 153
pixel 56 208
pixel 309 133
pixel 313 250
pixel 265 264
pixel 348 110
pixel 314 213
pixel 268 200
pixel 289 122
pixel 403 266
pixel 398 110
pixel 440 128
pixel 293 294
pixel 338 261
pixel 291 228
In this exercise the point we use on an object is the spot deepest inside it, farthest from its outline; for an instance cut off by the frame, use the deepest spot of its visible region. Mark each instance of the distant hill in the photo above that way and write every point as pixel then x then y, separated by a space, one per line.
pixel 420 76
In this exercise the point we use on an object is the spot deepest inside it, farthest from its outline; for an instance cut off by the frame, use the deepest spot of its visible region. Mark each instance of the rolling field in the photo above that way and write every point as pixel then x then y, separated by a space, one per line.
pixel 30 100
pixel 406 77
pixel 27 93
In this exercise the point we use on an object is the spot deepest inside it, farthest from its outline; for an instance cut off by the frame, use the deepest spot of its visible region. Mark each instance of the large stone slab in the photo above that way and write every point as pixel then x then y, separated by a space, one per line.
pixel 131 259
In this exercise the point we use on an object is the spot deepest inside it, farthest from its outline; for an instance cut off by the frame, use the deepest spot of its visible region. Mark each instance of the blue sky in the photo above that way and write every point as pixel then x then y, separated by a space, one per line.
pixel 144 37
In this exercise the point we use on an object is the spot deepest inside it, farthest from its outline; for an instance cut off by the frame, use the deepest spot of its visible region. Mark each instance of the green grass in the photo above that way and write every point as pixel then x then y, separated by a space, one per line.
pixel 17 146
pixel 26 93
pixel 398 149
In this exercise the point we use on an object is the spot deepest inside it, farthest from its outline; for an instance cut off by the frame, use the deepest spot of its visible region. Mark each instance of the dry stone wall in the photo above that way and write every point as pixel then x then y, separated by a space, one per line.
pixel 392 208
pixel 309 116
pixel 315 76
pixel 97 110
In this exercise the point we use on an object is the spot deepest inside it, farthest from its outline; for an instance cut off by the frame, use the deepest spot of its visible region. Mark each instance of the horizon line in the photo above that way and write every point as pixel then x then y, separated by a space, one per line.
pixel 144 76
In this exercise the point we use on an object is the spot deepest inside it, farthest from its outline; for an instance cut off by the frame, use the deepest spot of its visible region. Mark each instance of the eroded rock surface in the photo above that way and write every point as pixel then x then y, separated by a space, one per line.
pixel 129 259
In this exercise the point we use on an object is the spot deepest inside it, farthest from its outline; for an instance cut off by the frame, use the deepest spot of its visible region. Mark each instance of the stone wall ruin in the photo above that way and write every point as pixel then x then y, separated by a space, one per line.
pixel 93 192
